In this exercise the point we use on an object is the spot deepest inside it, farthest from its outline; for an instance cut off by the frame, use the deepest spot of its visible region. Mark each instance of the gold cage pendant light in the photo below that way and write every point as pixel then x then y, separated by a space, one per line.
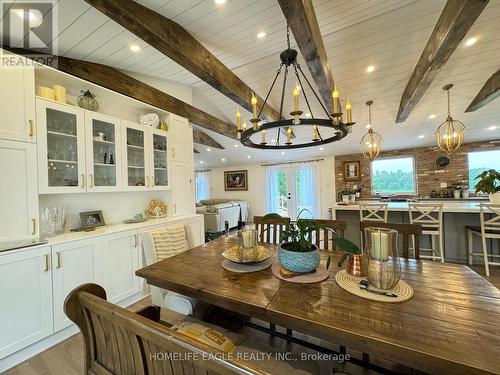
pixel 450 134
pixel 371 141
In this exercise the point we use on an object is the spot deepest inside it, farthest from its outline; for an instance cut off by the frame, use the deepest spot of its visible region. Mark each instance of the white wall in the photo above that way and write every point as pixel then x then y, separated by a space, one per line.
pixel 256 194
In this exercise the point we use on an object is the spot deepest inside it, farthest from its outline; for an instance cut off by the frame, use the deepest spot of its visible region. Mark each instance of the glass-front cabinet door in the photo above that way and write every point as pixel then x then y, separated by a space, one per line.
pixel 61 147
pixel 103 145
pixel 160 167
pixel 136 167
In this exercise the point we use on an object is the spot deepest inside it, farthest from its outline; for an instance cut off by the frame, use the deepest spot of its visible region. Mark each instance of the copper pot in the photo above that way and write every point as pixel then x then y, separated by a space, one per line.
pixel 354 267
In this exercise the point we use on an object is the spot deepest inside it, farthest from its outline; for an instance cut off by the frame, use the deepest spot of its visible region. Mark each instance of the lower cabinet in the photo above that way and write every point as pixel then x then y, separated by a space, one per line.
pixel 73 264
pixel 120 261
pixel 26 298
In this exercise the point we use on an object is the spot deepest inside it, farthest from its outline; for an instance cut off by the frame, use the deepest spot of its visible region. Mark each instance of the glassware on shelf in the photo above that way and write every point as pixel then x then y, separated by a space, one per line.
pixel 53 220
pixel 381 260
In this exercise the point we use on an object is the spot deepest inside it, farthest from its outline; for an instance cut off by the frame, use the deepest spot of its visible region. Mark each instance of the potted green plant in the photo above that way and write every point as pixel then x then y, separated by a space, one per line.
pixel 489 183
pixel 345 194
pixel 296 252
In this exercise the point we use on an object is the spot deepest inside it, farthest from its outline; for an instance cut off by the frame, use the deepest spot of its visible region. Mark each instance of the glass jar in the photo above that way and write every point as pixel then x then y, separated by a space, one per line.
pixel 381 259
pixel 248 247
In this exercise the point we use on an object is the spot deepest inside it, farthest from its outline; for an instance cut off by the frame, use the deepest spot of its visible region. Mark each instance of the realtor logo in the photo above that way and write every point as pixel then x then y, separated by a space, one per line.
pixel 30 25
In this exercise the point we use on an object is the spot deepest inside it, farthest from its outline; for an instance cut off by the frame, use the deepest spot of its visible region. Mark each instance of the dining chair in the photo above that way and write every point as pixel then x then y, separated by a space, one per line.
pixel 406 230
pixel 322 236
pixel 270 230
pixel 430 217
pixel 374 212
pixel 489 229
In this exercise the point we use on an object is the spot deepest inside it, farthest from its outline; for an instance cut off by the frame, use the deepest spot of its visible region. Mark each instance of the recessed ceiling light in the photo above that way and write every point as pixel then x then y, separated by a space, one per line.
pixel 261 35
pixel 209 149
pixel 35 16
pixel 421 136
pixel 321 148
pixel 248 157
pixel 282 152
pixel 370 69
pixel 134 48
pixel 273 140
pixel 201 161
pixel 471 41
pixel 236 145
pixel 220 2
pixel 223 159
pixel 368 126
pixel 493 127
pixel 432 116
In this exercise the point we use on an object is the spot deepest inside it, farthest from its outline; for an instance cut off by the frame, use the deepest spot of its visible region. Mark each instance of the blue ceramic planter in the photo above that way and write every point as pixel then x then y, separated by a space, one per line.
pixel 298 261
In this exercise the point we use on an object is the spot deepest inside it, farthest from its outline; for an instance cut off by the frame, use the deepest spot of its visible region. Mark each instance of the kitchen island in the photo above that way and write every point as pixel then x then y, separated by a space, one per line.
pixel 456 215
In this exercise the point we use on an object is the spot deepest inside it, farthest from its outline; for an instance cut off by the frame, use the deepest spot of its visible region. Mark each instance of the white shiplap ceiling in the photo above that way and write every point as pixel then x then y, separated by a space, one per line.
pixel 388 34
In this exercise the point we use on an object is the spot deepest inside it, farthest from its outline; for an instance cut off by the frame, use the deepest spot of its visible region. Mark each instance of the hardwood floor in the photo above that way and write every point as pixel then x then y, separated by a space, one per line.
pixel 66 358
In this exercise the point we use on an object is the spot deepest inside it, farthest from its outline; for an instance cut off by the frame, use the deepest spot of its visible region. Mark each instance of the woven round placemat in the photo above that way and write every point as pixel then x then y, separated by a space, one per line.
pixel 350 284
pixel 321 274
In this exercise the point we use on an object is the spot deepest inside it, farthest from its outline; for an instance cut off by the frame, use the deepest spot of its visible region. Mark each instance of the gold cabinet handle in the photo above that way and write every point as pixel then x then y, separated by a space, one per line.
pixel 147 181
pixel 152 181
pixel 31 128
pixel 33 226
pixel 173 152
pixel 83 180
pixel 47 266
pixel 58 256
pixel 135 240
pixel 175 208
pixel 91 178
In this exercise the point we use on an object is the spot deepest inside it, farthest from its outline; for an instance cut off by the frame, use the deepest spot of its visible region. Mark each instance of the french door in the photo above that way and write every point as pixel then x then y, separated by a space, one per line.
pixel 292 189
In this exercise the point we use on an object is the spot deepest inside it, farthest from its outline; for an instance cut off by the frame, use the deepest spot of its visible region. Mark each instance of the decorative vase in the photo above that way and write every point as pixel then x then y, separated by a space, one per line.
pixel 353 198
pixel 248 247
pixel 465 194
pixel 355 265
pixel 495 198
pixel 298 261
pixel 87 101
pixel 456 194
pixel 381 262
pixel 345 198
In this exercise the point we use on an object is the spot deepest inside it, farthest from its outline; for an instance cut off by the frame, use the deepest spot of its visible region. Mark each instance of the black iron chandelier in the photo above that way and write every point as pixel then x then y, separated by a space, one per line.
pixel 333 121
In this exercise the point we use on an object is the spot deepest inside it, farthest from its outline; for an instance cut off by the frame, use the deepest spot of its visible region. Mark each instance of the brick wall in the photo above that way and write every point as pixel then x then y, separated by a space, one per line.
pixel 429 175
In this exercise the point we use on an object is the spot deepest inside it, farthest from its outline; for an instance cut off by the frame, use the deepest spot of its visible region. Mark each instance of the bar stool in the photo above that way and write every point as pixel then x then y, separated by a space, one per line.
pixel 430 217
pixel 376 212
pixel 489 228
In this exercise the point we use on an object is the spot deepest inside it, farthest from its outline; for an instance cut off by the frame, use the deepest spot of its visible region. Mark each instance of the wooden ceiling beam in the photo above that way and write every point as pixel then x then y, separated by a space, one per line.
pixel 488 92
pixel 124 84
pixel 177 44
pixel 305 29
pixel 455 21
pixel 204 139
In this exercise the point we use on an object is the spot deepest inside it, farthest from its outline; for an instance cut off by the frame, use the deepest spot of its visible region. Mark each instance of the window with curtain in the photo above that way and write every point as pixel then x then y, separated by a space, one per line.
pixel 201 183
pixel 481 161
pixel 307 191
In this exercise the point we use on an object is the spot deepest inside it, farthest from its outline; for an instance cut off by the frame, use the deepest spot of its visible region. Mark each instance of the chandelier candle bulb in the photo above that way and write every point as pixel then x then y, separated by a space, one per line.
pixel 315 133
pixel 296 99
pixel 335 102
pixel 238 120
pixel 289 136
pixel 348 107
pixel 254 106
pixel 263 137
pixel 244 126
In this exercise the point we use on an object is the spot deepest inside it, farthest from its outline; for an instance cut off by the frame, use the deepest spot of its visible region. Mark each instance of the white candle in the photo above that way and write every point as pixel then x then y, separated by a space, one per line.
pixel 247 239
pixel 380 245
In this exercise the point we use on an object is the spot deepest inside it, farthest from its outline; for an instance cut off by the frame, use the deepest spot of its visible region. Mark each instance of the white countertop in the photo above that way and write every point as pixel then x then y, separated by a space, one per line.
pixel 114 228
pixel 448 206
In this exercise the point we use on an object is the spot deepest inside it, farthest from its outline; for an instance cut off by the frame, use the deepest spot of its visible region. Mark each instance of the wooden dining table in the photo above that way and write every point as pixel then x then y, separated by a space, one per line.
pixel 450 326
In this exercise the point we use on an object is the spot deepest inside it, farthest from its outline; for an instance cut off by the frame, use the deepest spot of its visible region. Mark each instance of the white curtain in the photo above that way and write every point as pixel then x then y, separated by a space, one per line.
pixel 308 190
pixel 272 189
pixel 201 179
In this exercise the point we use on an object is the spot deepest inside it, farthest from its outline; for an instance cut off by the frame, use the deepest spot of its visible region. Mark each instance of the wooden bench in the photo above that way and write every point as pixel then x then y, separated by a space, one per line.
pixel 117 341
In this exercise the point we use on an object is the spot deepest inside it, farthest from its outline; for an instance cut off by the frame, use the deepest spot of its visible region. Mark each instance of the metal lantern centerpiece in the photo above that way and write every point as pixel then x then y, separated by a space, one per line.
pixel 371 141
pixel 332 121
pixel 450 134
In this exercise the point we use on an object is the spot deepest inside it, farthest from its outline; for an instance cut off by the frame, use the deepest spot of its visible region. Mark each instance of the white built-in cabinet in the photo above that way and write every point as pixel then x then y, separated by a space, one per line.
pixel 26 295
pixel 73 264
pixel 18 190
pixel 180 189
pixel 120 260
pixel 181 139
pixel 61 148
pixel 103 152
pixel 17 101
pixel 83 151
pixel 145 155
